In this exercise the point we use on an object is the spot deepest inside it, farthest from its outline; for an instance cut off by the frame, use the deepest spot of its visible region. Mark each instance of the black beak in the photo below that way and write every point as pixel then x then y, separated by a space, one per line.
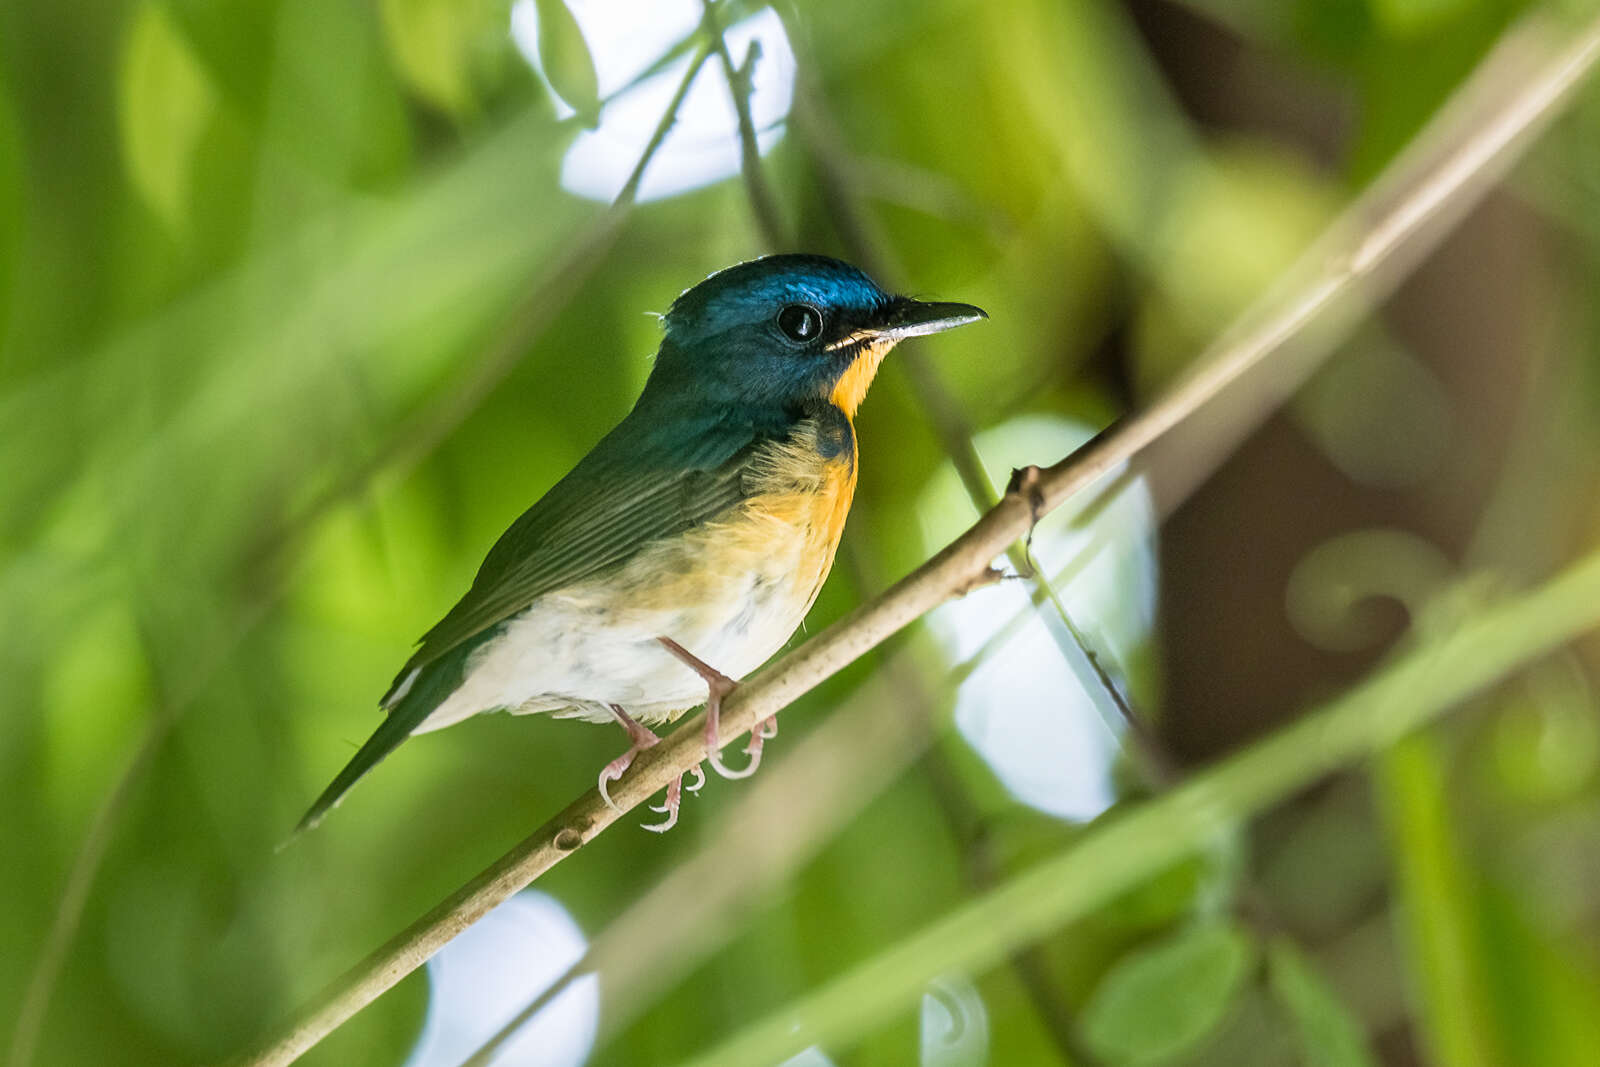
pixel 905 317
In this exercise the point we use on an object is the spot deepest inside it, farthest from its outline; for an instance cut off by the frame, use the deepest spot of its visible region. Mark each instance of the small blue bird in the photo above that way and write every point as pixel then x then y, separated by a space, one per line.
pixel 691 541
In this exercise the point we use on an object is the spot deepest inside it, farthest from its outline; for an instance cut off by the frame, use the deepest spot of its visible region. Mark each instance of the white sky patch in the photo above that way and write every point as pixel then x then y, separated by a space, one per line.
pixel 494 969
pixel 1040 718
pixel 625 37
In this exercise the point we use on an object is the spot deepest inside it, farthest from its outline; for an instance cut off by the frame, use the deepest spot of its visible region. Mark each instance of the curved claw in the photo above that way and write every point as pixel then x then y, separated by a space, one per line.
pixel 699 779
pixel 714 757
pixel 606 777
pixel 660 827
pixel 668 807
pixel 767 728
pixel 641 739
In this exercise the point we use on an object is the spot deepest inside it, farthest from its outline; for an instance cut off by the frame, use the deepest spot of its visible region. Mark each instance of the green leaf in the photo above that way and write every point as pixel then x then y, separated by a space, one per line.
pixel 1162 999
pixel 1416 18
pixel 166 102
pixel 1437 907
pixel 438 47
pixel 1495 979
pixel 564 55
pixel 1330 1036
pixel 333 104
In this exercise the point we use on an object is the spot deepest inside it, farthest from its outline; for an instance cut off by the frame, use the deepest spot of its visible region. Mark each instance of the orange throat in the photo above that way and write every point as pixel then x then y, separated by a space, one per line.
pixel 852 385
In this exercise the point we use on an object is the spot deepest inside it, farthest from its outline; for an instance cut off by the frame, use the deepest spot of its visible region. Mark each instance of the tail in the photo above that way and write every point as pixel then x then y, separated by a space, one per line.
pixel 384 740
pixel 413 697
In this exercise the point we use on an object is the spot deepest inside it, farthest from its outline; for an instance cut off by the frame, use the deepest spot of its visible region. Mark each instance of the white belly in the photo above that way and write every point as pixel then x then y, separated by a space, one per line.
pixel 577 650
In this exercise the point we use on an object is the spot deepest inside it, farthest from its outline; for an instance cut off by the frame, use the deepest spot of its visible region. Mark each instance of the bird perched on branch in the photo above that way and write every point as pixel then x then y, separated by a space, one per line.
pixel 691 541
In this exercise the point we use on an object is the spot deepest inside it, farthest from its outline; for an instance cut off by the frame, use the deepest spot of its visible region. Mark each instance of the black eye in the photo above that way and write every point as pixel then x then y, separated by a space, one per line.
pixel 800 322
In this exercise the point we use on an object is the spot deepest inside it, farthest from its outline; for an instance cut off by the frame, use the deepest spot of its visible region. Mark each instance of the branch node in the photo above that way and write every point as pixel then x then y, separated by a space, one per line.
pixel 987 576
pixel 1024 484
pixel 569 839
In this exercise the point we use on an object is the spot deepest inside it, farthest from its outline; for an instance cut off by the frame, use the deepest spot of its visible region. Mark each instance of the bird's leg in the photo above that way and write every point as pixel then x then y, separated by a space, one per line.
pixel 642 737
pixel 764 731
pixel 719 685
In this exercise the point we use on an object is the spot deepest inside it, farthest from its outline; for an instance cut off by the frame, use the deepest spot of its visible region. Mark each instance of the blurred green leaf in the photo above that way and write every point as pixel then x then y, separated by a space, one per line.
pixel 1544 745
pixel 1545 984
pixel 439 46
pixel 1159 1000
pixel 333 105
pixel 1448 970
pixel 96 693
pixel 1330 1036
pixel 564 55
pixel 1409 18
pixel 166 100
pixel 1492 988
pixel 232 39
pixel 1405 79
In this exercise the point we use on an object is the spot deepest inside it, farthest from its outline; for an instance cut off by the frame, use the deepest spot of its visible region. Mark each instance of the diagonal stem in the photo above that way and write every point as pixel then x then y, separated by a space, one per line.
pixel 740 86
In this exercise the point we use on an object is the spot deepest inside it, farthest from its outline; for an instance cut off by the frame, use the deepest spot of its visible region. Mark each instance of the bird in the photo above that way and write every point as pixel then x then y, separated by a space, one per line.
pixel 687 546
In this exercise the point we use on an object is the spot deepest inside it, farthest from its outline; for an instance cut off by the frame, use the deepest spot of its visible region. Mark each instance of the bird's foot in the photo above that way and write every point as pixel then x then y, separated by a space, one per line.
pixel 643 737
pixel 764 731
pixel 668 807
pixel 719 685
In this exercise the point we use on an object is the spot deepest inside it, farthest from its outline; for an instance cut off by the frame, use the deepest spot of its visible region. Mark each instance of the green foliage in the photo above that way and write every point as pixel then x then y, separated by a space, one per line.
pixel 451 54
pixel 1330 1036
pixel 167 101
pixel 564 57
pixel 296 316
pixel 1164 998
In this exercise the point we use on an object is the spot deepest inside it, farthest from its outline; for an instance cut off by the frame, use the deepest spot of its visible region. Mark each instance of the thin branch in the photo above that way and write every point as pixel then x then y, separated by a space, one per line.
pixel 1517 90
pixel 740 86
pixel 669 119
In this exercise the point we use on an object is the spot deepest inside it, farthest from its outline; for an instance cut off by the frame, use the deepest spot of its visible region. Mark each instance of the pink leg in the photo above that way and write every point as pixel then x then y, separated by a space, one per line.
pixel 719 685
pixel 642 737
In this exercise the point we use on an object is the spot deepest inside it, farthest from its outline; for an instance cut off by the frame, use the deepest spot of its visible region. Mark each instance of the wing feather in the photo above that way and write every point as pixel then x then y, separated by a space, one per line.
pixel 595 518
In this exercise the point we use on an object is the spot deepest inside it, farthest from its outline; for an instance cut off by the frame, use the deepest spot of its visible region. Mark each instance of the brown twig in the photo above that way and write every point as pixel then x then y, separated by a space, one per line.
pixel 1515 93
pixel 759 193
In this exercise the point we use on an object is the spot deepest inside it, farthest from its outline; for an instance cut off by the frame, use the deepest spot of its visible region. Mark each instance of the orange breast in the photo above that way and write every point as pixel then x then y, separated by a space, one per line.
pixel 796 512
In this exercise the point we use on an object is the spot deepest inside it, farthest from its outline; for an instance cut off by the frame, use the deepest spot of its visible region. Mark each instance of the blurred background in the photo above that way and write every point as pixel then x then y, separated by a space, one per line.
pixel 303 301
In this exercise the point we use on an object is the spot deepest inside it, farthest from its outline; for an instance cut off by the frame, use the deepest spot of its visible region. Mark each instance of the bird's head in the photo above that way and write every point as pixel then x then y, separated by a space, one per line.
pixel 786 329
